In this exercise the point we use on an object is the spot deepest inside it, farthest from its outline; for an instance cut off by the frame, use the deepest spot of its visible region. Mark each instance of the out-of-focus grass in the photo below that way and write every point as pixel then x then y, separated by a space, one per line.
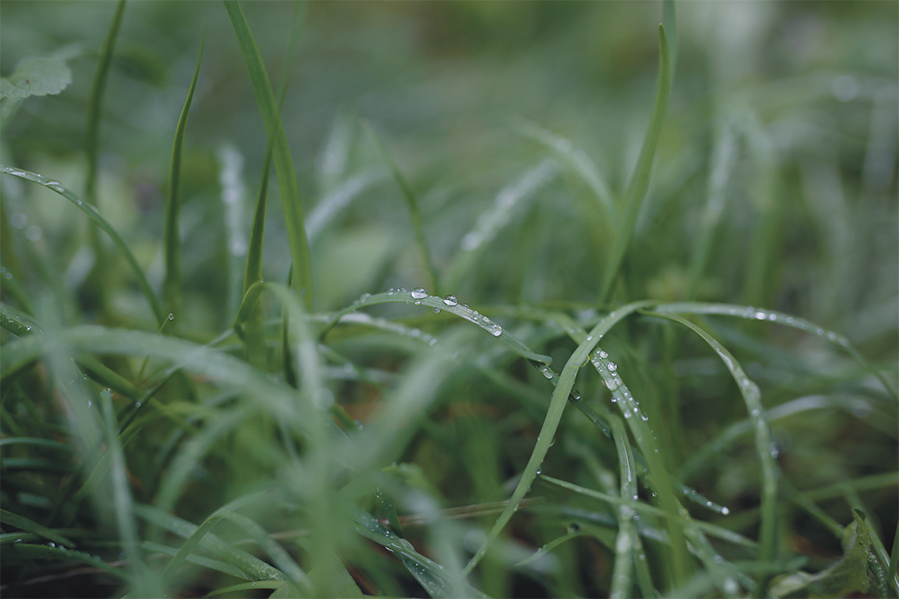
pixel 535 363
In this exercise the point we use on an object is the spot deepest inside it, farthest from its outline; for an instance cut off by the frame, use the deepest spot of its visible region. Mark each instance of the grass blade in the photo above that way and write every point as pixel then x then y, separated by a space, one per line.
pixel 752 398
pixel 291 200
pixel 782 318
pixel 92 144
pixel 171 285
pixel 639 183
pixel 103 224
pixel 21 522
pixel 255 335
pixel 411 203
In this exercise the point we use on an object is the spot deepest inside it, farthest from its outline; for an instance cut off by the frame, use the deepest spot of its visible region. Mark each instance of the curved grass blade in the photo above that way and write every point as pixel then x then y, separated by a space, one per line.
pixel 291 200
pixel 431 575
pixel 639 183
pixel 278 399
pixel 511 199
pixel 43 552
pixel 252 567
pixel 752 398
pixel 563 388
pixel 10 519
pixel 576 160
pixel 420 297
pixel 724 159
pixel 92 143
pixel 103 224
pixel 782 318
pixel 171 284
pixel 411 203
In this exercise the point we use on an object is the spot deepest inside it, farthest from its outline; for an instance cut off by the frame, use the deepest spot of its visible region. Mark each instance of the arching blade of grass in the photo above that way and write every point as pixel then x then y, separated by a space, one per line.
pixel 752 397
pixel 510 200
pixel 431 575
pixel 92 144
pixel 563 388
pixel 291 200
pixel 639 183
pixel 255 335
pixel 171 284
pixel 103 224
pixel 411 204
pixel 577 161
pixel 277 399
pixel 774 316
pixel 21 522
pixel 252 567
pixel 724 157
pixel 420 297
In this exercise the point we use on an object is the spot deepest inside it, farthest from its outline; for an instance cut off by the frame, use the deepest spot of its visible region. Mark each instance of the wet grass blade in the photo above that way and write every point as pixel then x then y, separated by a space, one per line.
pixel 411 204
pixel 171 285
pixel 103 224
pixel 10 519
pixel 773 316
pixel 628 540
pixel 752 398
pixel 639 183
pixel 291 200
pixel 92 142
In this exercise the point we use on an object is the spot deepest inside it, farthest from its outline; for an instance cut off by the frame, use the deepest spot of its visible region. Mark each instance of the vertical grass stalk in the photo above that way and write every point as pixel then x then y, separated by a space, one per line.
pixel 639 183
pixel 171 285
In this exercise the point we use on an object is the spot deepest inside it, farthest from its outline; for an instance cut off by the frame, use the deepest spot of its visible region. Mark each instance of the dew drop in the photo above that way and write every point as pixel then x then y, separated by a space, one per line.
pixel 450 300
pixel 436 310
pixel 494 329
pixel 645 418
pixel 603 354
pixel 725 511
pixel 613 366
pixel 419 293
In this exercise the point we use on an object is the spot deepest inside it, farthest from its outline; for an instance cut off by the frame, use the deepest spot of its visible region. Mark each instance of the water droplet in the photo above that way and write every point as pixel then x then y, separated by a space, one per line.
pixel 390 292
pixel 613 366
pixel 611 384
pixel 589 338
pixel 419 293
pixel 171 316
pixel 51 544
pixel 547 373
pixel 450 300
pixel 603 354
pixel 417 302
pixel 494 329
pixel 137 404
pixel 436 310
pixel 725 511
pixel 760 315
pixel 645 418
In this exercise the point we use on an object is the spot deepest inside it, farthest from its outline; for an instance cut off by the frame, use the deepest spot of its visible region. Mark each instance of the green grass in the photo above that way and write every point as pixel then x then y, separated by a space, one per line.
pixel 579 327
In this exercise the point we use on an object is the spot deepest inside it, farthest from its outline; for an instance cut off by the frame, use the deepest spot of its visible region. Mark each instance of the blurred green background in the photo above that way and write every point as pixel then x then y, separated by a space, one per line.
pixel 779 151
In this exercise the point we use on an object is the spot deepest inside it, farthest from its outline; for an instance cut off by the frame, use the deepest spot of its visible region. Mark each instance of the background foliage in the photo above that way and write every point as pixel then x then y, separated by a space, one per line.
pixel 481 150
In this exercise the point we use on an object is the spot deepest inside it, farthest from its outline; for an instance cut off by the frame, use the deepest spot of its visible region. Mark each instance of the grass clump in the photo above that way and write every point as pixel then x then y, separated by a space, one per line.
pixel 536 318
